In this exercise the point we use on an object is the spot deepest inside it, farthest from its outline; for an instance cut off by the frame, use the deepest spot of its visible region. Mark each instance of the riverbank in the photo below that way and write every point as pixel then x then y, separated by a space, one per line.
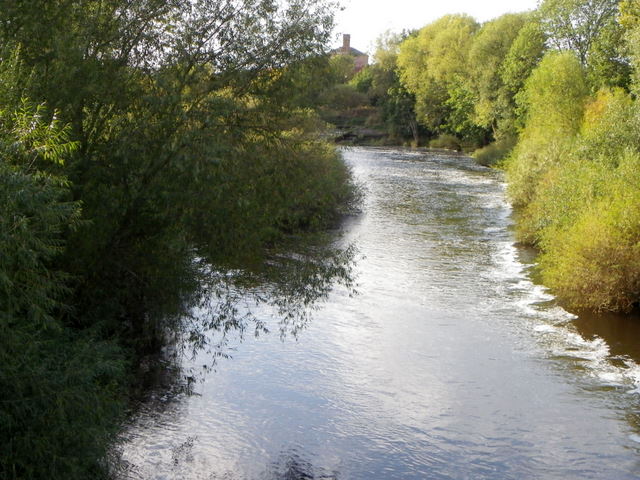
pixel 135 160
pixel 558 107
pixel 576 201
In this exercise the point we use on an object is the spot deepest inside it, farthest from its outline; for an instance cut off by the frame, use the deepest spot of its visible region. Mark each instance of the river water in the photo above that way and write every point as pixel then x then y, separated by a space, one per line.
pixel 449 362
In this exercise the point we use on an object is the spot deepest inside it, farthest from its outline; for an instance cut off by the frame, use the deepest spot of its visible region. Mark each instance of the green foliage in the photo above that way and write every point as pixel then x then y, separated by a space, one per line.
pixel 446 141
pixel 494 153
pixel 344 97
pixel 465 77
pixel 610 126
pixel 460 106
pixel 270 189
pixel 554 98
pixel 34 211
pixel 609 65
pixel 61 393
pixel 61 403
pixel 493 100
pixel 371 103
pixel 591 29
pixel 431 64
pixel 388 92
pixel 576 24
pixel 630 22
pixel 156 105
pixel 583 211
pixel 523 56
pixel 594 262
pixel 343 68
pixel 363 80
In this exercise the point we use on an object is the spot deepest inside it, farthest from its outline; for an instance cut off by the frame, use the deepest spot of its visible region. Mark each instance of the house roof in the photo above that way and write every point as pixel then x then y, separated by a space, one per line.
pixel 352 51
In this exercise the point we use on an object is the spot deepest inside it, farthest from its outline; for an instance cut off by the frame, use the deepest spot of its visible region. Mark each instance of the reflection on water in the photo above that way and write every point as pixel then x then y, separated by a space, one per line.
pixel 449 363
pixel 621 333
pixel 292 466
pixel 291 284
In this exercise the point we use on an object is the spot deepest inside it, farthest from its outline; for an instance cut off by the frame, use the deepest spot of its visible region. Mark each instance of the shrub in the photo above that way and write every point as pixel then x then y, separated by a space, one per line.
pixel 495 152
pixel 60 392
pixel 594 262
pixel 61 403
pixel 446 141
pixel 554 98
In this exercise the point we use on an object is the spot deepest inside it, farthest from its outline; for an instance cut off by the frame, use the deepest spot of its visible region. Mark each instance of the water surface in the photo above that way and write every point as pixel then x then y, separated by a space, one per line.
pixel 448 364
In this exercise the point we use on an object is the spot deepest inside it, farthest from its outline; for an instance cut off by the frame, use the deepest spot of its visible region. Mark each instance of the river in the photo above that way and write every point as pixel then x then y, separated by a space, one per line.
pixel 448 363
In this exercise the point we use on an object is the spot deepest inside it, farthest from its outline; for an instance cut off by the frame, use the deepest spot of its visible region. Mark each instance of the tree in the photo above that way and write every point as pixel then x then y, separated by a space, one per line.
pixel 630 22
pixel 523 56
pixel 432 62
pixel 158 94
pixel 590 29
pixel 388 92
pixel 554 98
pixel 493 100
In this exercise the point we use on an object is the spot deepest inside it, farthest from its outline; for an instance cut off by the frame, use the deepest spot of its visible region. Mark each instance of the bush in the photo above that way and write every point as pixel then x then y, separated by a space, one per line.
pixel 446 141
pixel 594 262
pixel 269 190
pixel 60 392
pixel 585 213
pixel 492 154
pixel 62 402
pixel 344 97
pixel 554 98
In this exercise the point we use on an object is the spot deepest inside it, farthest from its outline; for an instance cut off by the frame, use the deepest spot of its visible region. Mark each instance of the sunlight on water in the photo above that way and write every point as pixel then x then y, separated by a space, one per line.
pixel 449 363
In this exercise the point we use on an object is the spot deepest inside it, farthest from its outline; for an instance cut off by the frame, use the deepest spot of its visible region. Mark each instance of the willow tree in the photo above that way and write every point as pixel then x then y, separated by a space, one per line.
pixel 433 67
pixel 494 101
pixel 554 98
pixel 159 95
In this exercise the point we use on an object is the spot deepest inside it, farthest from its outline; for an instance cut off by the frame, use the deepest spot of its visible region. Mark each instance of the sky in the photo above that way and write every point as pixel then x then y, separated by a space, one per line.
pixel 365 20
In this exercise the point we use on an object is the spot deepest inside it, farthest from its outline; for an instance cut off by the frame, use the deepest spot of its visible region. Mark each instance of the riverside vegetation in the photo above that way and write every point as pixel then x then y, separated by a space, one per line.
pixel 144 146
pixel 551 96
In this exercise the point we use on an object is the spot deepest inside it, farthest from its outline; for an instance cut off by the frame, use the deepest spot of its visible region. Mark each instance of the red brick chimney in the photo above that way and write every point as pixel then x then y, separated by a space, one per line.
pixel 346 43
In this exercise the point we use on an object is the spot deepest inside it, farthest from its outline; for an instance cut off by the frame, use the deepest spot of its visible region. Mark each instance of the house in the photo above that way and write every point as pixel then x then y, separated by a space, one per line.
pixel 360 59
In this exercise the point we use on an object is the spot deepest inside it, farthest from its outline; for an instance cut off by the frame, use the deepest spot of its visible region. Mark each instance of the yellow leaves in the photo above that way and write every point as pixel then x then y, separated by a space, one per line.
pixel 629 14
pixel 439 51
pixel 595 264
pixel 605 104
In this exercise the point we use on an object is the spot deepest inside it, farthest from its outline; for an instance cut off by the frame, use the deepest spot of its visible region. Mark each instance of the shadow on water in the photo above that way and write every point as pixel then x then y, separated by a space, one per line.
pixel 291 282
pixel 277 295
pixel 619 331
pixel 293 466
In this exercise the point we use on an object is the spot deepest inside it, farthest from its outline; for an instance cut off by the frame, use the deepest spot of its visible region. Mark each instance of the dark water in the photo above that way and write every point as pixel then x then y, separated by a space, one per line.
pixel 449 363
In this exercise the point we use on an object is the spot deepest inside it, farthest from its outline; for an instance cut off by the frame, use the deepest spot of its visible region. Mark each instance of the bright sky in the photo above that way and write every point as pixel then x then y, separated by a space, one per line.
pixel 365 20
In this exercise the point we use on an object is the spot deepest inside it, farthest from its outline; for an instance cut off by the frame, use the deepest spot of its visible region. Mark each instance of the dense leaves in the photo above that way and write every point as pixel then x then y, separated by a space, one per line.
pixel 140 141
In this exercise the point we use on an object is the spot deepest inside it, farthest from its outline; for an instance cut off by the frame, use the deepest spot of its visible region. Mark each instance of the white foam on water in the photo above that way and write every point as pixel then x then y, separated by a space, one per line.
pixel 545 329
pixel 552 325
